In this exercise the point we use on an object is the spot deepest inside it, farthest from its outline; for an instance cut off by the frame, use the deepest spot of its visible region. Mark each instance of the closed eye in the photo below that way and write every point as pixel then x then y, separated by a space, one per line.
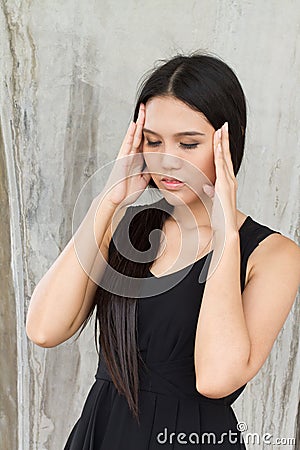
pixel 186 146
pixel 153 144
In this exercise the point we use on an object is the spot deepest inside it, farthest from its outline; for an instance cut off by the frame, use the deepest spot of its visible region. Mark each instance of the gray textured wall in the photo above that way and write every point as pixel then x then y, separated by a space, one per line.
pixel 69 72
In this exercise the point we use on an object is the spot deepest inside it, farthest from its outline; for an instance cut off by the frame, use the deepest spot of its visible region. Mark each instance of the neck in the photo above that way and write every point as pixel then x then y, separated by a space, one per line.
pixel 191 216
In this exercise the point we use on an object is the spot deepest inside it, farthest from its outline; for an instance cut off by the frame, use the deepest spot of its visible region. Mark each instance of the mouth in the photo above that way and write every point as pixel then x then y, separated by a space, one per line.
pixel 172 183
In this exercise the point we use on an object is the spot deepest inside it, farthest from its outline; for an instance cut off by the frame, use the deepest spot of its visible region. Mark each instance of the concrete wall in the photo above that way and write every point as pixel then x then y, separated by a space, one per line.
pixel 69 72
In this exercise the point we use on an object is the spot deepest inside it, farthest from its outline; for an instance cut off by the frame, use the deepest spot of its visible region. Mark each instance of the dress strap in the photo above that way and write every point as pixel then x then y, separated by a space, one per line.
pixel 250 237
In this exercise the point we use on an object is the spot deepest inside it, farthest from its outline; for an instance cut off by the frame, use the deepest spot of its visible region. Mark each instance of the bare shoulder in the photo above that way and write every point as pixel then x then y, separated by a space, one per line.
pixel 269 295
pixel 278 252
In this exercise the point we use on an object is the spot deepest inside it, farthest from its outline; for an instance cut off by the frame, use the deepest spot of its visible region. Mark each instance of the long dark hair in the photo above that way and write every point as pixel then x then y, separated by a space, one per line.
pixel 208 85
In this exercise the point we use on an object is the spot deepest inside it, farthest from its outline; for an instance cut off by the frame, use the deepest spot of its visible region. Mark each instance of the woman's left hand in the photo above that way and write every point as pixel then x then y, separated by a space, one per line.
pixel 223 193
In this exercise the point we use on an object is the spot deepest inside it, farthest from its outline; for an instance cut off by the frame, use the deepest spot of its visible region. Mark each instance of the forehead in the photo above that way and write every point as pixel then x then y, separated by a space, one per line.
pixel 172 113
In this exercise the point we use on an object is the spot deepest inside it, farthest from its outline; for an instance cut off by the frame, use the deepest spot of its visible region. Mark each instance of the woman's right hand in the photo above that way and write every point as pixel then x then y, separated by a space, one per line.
pixel 127 180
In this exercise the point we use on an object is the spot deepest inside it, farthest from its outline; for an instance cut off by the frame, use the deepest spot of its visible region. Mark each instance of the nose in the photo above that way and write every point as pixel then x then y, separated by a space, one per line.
pixel 169 160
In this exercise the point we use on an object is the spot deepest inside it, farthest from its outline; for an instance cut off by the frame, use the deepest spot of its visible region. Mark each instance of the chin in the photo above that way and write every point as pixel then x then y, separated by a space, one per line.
pixel 175 198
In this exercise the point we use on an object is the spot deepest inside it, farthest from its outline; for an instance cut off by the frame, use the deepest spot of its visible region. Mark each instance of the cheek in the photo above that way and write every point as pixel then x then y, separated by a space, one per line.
pixel 207 166
pixel 210 170
pixel 152 162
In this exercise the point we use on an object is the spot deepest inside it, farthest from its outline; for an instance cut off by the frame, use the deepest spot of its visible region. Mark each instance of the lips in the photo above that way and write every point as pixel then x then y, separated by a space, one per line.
pixel 170 179
pixel 172 183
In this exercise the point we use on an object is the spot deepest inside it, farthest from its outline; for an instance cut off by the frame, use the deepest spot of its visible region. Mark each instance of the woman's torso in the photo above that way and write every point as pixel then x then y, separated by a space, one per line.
pixel 168 309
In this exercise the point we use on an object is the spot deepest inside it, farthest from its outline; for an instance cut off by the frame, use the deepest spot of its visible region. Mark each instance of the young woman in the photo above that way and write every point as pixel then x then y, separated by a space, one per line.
pixel 171 363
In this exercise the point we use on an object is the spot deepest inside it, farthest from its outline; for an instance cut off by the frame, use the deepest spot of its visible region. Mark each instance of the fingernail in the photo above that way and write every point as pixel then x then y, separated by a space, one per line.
pixel 225 126
pixel 209 190
pixel 219 133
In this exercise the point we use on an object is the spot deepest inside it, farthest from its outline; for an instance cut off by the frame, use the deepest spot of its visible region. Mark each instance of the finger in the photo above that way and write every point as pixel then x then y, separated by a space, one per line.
pixel 224 169
pixel 217 137
pixel 220 164
pixel 128 140
pixel 139 129
pixel 209 190
pixel 226 148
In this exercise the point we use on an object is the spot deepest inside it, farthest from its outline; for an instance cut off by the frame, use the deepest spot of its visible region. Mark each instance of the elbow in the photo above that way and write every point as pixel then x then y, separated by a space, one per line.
pixel 209 384
pixel 44 335
pixel 211 390
pixel 211 387
pixel 216 382
pixel 41 342
pixel 39 339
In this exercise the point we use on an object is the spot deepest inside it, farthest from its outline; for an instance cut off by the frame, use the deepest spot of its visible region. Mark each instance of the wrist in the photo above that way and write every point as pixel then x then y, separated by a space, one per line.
pixel 232 241
pixel 103 203
pixel 228 237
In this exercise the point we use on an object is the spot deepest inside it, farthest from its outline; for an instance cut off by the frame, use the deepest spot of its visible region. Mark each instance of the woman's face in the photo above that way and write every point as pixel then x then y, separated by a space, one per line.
pixel 169 150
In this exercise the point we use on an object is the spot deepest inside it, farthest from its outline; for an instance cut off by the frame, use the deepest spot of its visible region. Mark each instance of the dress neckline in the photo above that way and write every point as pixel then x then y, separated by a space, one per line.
pixel 197 260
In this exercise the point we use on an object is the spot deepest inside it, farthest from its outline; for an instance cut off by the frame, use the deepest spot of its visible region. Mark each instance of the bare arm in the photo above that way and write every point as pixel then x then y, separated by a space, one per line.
pixel 236 332
pixel 63 297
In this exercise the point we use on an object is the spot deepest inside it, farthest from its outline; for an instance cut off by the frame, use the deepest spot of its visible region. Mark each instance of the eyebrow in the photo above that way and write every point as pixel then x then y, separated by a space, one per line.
pixel 182 133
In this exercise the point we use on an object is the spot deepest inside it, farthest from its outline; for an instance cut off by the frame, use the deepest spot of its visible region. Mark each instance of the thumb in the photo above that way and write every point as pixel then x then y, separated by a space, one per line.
pixel 209 190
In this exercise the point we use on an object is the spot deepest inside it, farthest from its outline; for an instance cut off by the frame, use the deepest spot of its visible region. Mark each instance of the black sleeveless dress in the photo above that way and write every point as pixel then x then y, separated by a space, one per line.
pixel 173 414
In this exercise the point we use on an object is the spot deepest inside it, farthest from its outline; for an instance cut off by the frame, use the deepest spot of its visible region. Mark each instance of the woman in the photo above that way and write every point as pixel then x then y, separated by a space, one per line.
pixel 173 362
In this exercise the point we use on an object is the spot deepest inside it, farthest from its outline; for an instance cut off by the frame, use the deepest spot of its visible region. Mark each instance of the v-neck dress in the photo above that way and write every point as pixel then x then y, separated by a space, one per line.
pixel 173 414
